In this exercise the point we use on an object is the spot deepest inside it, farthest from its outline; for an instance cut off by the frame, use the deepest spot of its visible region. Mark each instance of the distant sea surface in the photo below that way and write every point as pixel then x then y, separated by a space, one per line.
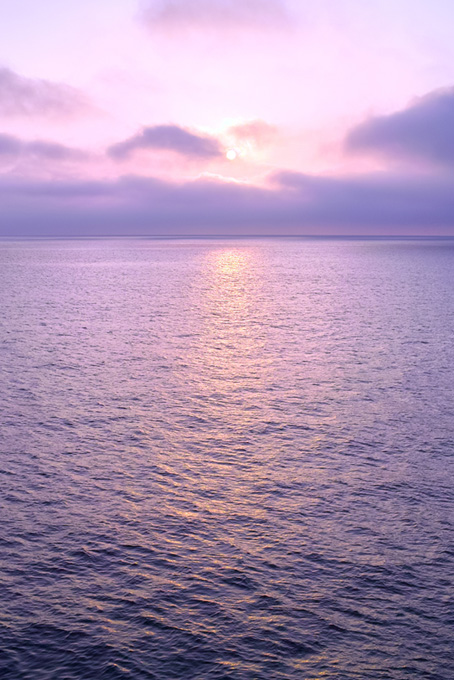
pixel 227 460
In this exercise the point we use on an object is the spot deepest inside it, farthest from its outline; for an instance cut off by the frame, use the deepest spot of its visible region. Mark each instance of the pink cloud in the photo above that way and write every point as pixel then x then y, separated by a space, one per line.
pixel 258 132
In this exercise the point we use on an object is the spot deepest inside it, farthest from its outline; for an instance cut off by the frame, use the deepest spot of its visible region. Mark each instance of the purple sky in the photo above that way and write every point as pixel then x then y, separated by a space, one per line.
pixel 170 117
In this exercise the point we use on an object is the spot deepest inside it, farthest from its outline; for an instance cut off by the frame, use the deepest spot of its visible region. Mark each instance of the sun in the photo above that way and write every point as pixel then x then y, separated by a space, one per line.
pixel 231 154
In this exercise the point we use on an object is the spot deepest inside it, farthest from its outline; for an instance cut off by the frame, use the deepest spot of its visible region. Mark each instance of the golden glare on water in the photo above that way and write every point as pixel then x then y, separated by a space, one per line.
pixel 228 367
pixel 231 262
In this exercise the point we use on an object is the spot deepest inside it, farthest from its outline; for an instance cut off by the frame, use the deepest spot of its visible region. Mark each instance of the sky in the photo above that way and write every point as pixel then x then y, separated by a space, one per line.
pixel 226 117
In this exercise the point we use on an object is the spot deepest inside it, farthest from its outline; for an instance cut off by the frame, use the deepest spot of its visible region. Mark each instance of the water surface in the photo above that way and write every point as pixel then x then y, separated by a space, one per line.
pixel 226 460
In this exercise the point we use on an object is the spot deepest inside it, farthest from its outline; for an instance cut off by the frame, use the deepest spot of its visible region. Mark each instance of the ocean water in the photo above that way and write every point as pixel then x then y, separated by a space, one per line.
pixel 227 460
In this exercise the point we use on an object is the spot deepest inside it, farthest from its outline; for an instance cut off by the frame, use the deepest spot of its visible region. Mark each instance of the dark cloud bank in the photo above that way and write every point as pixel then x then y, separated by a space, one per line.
pixel 168 138
pixel 296 204
pixel 423 132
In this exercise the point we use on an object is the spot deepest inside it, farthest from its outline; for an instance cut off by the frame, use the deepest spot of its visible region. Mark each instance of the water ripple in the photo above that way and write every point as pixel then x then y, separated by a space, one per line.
pixel 226 460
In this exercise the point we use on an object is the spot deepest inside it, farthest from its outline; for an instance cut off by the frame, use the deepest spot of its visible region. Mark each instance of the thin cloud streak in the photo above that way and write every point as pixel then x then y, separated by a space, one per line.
pixel 35 97
pixel 13 148
pixel 203 14
pixel 9 145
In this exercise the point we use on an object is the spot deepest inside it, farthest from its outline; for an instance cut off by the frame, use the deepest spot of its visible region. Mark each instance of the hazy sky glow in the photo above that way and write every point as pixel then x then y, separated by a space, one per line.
pixel 226 117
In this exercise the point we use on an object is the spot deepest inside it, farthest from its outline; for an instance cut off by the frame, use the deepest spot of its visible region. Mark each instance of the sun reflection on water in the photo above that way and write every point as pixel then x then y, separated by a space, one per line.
pixel 228 368
pixel 233 335
pixel 231 261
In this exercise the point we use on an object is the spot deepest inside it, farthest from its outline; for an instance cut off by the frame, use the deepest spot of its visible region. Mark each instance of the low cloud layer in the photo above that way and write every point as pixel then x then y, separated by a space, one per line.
pixel 168 138
pixel 202 14
pixel 29 97
pixel 374 203
pixel 293 204
pixel 422 132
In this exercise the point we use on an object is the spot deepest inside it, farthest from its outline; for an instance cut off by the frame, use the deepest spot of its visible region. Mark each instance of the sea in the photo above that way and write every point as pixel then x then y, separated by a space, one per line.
pixel 227 459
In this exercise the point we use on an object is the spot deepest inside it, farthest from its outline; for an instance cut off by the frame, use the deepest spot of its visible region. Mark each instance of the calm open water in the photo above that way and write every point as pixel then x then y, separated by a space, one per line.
pixel 227 460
